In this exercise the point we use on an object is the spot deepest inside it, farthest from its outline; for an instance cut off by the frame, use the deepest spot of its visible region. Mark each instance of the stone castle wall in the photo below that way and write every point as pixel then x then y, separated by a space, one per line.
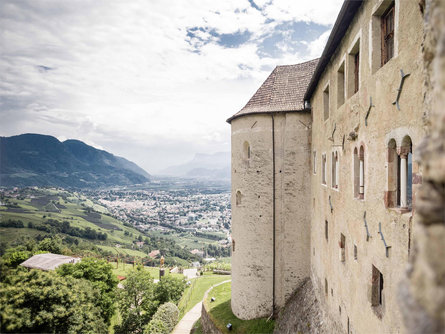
pixel 252 218
pixel 345 249
pixel 343 275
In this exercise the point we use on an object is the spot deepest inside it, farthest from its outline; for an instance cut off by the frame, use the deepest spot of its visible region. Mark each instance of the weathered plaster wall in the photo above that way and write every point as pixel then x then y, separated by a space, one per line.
pixel 422 294
pixel 252 219
pixel 348 299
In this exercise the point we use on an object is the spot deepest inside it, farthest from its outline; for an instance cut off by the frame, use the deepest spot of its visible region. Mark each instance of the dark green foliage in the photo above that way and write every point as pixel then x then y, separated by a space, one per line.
pixel 136 302
pixel 50 245
pixel 100 274
pixel 55 226
pixel 12 223
pixel 43 302
pixel 164 320
pixel 169 289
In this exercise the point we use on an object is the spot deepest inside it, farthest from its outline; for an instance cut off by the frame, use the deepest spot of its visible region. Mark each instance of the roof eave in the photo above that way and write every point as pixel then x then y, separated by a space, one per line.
pixel 229 120
pixel 346 15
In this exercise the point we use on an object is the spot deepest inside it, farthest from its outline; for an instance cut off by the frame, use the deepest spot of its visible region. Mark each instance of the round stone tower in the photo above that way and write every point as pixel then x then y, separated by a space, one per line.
pixel 270 193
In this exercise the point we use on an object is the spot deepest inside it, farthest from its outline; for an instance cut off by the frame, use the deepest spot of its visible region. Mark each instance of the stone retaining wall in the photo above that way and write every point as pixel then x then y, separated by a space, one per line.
pixel 208 326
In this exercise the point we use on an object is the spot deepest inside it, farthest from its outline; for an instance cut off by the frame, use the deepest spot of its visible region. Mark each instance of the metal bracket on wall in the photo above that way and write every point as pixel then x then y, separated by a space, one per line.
pixel 399 90
pixel 330 204
pixel 366 226
pixel 332 136
pixel 369 110
pixel 383 239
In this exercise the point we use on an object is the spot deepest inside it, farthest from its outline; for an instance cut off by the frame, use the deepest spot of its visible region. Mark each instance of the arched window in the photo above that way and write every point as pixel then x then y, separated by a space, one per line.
pixel 399 178
pixel 406 173
pixel 246 151
pixel 238 197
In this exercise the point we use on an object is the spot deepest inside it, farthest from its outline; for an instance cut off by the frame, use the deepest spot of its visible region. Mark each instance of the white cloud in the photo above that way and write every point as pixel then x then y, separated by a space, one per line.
pixel 121 74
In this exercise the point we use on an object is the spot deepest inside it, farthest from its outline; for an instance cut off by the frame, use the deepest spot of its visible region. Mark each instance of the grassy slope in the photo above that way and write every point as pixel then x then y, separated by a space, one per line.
pixel 221 313
pixel 195 292
pixel 74 214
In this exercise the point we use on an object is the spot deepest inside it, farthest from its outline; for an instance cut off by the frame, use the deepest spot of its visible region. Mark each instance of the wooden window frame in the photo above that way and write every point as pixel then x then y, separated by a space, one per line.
pixel 356 71
pixel 387 34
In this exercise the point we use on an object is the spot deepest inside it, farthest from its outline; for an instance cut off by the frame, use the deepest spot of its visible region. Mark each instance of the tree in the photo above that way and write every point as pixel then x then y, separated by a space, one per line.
pixel 136 302
pixel 43 302
pixel 52 245
pixel 169 289
pixel 101 276
pixel 164 320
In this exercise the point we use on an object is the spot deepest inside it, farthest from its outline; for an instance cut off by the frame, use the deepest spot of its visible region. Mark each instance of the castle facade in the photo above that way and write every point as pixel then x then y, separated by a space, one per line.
pixel 324 180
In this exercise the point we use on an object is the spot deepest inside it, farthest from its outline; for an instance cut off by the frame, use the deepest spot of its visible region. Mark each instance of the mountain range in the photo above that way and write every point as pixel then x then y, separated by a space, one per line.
pixel 41 160
pixel 203 166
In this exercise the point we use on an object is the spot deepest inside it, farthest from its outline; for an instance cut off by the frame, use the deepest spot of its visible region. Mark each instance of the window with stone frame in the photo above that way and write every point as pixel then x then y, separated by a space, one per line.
pixel 399 174
pixel 387 31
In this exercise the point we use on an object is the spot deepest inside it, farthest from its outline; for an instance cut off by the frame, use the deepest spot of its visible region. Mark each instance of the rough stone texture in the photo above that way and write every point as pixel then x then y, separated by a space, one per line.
pixel 252 219
pixel 208 327
pixel 422 294
pixel 302 314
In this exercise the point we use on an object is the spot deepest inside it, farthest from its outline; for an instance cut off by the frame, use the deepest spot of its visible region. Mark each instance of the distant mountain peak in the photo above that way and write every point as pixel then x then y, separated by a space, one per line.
pixel 215 166
pixel 42 160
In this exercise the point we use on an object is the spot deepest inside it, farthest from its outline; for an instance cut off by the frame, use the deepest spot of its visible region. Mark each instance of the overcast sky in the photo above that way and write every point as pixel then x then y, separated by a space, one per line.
pixel 150 80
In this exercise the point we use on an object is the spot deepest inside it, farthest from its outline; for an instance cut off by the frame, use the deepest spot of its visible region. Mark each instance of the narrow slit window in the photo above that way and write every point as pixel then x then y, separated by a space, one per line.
pixel 238 197
pixel 342 244
pixel 326 230
pixel 315 162
pixel 334 170
pixel 326 103
pixel 377 287
pixel 341 85
pixel 355 253
pixel 323 168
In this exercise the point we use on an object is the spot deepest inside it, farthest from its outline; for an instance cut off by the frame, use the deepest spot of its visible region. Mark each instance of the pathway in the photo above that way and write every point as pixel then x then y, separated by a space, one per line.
pixel 186 323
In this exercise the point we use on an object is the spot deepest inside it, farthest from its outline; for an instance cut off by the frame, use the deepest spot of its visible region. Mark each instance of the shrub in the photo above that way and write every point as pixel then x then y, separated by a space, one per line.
pixel 169 289
pixel 164 320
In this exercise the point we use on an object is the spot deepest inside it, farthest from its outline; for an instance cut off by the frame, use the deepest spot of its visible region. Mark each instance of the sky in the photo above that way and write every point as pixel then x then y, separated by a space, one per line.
pixel 150 80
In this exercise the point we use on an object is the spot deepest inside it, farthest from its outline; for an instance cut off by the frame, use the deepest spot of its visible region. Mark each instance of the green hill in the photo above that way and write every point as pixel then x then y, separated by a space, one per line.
pixel 76 218
pixel 39 160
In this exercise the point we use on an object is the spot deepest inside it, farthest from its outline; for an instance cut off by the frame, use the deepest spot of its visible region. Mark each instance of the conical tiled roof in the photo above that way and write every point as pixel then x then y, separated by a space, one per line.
pixel 282 91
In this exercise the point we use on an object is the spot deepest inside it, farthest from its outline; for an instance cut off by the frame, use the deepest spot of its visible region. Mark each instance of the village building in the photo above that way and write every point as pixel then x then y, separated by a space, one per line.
pixel 324 180
pixel 48 261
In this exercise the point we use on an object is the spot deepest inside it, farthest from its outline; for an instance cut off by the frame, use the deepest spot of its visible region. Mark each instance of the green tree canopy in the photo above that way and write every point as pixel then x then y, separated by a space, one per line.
pixel 136 302
pixel 169 289
pixel 44 302
pixel 101 276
